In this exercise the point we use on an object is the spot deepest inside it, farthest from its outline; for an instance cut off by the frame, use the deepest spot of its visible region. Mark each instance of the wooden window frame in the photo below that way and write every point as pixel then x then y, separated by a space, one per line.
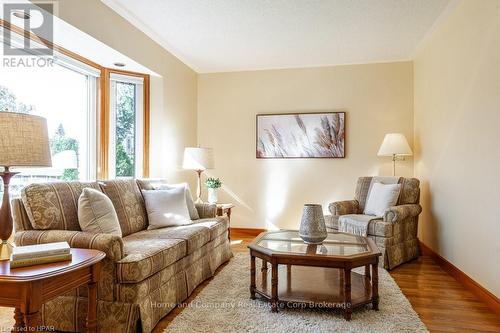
pixel 102 101
pixel 104 119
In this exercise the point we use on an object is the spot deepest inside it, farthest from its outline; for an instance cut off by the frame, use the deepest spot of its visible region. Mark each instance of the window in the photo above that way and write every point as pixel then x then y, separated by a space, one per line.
pixel 98 118
pixel 126 114
pixel 66 95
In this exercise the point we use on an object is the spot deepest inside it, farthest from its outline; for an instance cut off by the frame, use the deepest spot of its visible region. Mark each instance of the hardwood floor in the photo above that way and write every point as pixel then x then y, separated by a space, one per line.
pixel 442 303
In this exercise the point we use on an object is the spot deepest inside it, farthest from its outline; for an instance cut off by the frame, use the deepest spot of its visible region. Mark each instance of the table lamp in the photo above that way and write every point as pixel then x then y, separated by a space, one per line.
pixel 24 142
pixel 198 159
pixel 394 145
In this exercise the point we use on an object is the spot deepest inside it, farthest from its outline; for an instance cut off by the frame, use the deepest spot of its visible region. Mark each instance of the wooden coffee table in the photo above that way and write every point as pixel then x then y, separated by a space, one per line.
pixel 27 288
pixel 306 275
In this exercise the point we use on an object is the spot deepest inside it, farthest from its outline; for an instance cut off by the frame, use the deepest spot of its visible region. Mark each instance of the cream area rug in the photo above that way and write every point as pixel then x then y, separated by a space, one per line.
pixel 224 305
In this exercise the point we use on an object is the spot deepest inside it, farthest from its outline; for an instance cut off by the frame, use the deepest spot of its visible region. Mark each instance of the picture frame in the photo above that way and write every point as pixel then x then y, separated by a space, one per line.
pixel 300 135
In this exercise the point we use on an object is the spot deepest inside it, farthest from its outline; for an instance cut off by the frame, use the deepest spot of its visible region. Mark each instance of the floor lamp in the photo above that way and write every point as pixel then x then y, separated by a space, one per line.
pixel 24 142
pixel 198 159
pixel 395 145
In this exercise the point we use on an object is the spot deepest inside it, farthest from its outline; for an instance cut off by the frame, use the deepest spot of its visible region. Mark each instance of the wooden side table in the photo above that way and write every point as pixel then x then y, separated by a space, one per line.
pixel 27 288
pixel 225 209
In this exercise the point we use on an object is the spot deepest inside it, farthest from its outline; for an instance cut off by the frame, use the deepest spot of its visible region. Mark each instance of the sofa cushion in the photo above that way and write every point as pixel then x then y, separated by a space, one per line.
pixel 375 227
pixel 194 235
pixel 135 292
pixel 129 204
pixel 54 205
pixel 146 254
pixel 217 225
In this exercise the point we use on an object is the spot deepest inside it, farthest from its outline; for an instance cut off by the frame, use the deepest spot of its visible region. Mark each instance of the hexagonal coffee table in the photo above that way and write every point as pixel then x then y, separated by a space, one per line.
pixel 305 275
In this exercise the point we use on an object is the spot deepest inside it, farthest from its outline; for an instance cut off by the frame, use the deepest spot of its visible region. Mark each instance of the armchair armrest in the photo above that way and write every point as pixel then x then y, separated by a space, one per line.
pixel 344 207
pixel 401 212
pixel 206 210
pixel 112 245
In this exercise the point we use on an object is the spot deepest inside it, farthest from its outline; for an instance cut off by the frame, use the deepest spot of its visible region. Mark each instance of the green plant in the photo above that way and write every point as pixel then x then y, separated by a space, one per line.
pixel 213 182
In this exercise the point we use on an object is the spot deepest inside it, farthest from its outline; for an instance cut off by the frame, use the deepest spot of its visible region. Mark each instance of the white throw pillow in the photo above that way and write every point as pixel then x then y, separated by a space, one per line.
pixel 381 197
pixel 166 208
pixel 193 212
pixel 96 213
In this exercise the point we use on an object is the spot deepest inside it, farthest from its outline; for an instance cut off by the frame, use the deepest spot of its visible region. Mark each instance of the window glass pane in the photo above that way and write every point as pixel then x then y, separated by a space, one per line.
pixel 62 97
pixel 125 129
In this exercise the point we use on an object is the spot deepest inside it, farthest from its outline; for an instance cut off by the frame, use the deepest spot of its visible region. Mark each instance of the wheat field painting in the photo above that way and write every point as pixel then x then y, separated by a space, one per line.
pixel 301 135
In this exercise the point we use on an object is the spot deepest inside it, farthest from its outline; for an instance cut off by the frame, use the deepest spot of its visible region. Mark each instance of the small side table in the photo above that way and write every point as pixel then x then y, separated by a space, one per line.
pixel 225 209
pixel 27 288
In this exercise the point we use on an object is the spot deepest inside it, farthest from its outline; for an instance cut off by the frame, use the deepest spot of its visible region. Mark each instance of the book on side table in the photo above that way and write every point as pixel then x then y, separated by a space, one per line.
pixel 39 254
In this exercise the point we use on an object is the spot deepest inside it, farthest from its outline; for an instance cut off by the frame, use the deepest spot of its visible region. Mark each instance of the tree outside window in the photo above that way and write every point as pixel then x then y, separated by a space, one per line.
pixel 125 129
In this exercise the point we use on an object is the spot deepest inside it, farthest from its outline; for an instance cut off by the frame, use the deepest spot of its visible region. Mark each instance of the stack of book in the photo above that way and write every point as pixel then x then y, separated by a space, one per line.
pixel 39 254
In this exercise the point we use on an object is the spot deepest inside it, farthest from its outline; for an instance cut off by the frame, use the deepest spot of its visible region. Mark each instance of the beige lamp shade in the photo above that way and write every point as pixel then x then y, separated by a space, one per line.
pixel 24 141
pixel 394 144
pixel 196 158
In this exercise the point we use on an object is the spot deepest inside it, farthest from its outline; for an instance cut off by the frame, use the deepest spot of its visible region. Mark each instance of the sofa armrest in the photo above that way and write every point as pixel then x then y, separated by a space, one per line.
pixel 112 245
pixel 401 212
pixel 206 210
pixel 344 207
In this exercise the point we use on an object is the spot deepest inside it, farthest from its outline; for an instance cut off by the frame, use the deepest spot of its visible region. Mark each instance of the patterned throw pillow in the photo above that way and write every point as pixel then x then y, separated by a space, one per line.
pixel 96 213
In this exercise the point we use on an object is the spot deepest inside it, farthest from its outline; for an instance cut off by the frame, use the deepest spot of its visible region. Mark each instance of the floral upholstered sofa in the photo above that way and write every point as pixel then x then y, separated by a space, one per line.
pixel 396 232
pixel 145 272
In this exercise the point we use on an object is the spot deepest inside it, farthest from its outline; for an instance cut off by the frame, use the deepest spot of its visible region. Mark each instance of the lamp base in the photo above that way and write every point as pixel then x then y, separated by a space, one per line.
pixel 5 250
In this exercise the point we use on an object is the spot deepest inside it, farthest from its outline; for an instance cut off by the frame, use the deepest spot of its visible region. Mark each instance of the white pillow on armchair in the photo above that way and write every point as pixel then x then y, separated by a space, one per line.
pixel 381 197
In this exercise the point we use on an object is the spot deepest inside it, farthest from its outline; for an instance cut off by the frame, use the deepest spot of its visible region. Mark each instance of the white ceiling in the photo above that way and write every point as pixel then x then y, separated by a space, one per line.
pixel 69 37
pixel 235 35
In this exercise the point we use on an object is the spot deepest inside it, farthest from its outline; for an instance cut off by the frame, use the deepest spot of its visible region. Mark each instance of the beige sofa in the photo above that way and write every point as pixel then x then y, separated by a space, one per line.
pixel 145 273
pixel 396 232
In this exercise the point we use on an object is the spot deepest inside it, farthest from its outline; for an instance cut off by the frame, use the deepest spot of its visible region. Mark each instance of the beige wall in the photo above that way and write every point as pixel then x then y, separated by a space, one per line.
pixel 270 193
pixel 456 78
pixel 457 136
pixel 173 95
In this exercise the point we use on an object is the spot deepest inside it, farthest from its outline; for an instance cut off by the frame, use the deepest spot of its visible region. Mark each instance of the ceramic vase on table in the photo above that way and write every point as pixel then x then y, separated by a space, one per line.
pixel 212 195
pixel 312 226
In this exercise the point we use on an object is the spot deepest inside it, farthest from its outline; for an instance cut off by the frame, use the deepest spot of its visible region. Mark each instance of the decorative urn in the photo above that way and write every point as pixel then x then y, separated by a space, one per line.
pixel 312 226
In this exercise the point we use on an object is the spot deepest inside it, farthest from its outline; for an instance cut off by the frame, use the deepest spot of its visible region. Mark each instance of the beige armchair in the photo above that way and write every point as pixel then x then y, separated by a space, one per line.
pixel 396 232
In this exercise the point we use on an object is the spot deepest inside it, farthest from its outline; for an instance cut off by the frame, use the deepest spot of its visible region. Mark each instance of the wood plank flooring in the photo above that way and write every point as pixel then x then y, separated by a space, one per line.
pixel 442 303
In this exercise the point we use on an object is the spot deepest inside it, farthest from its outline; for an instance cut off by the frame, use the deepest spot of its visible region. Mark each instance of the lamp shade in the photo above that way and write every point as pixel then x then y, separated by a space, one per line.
pixel 196 158
pixel 24 140
pixel 394 144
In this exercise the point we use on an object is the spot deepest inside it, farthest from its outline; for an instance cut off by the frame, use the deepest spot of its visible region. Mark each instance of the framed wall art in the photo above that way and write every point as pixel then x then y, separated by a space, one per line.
pixel 301 135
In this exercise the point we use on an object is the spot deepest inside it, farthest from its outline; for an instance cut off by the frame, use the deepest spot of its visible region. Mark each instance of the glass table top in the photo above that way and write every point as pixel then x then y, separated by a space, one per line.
pixel 336 244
